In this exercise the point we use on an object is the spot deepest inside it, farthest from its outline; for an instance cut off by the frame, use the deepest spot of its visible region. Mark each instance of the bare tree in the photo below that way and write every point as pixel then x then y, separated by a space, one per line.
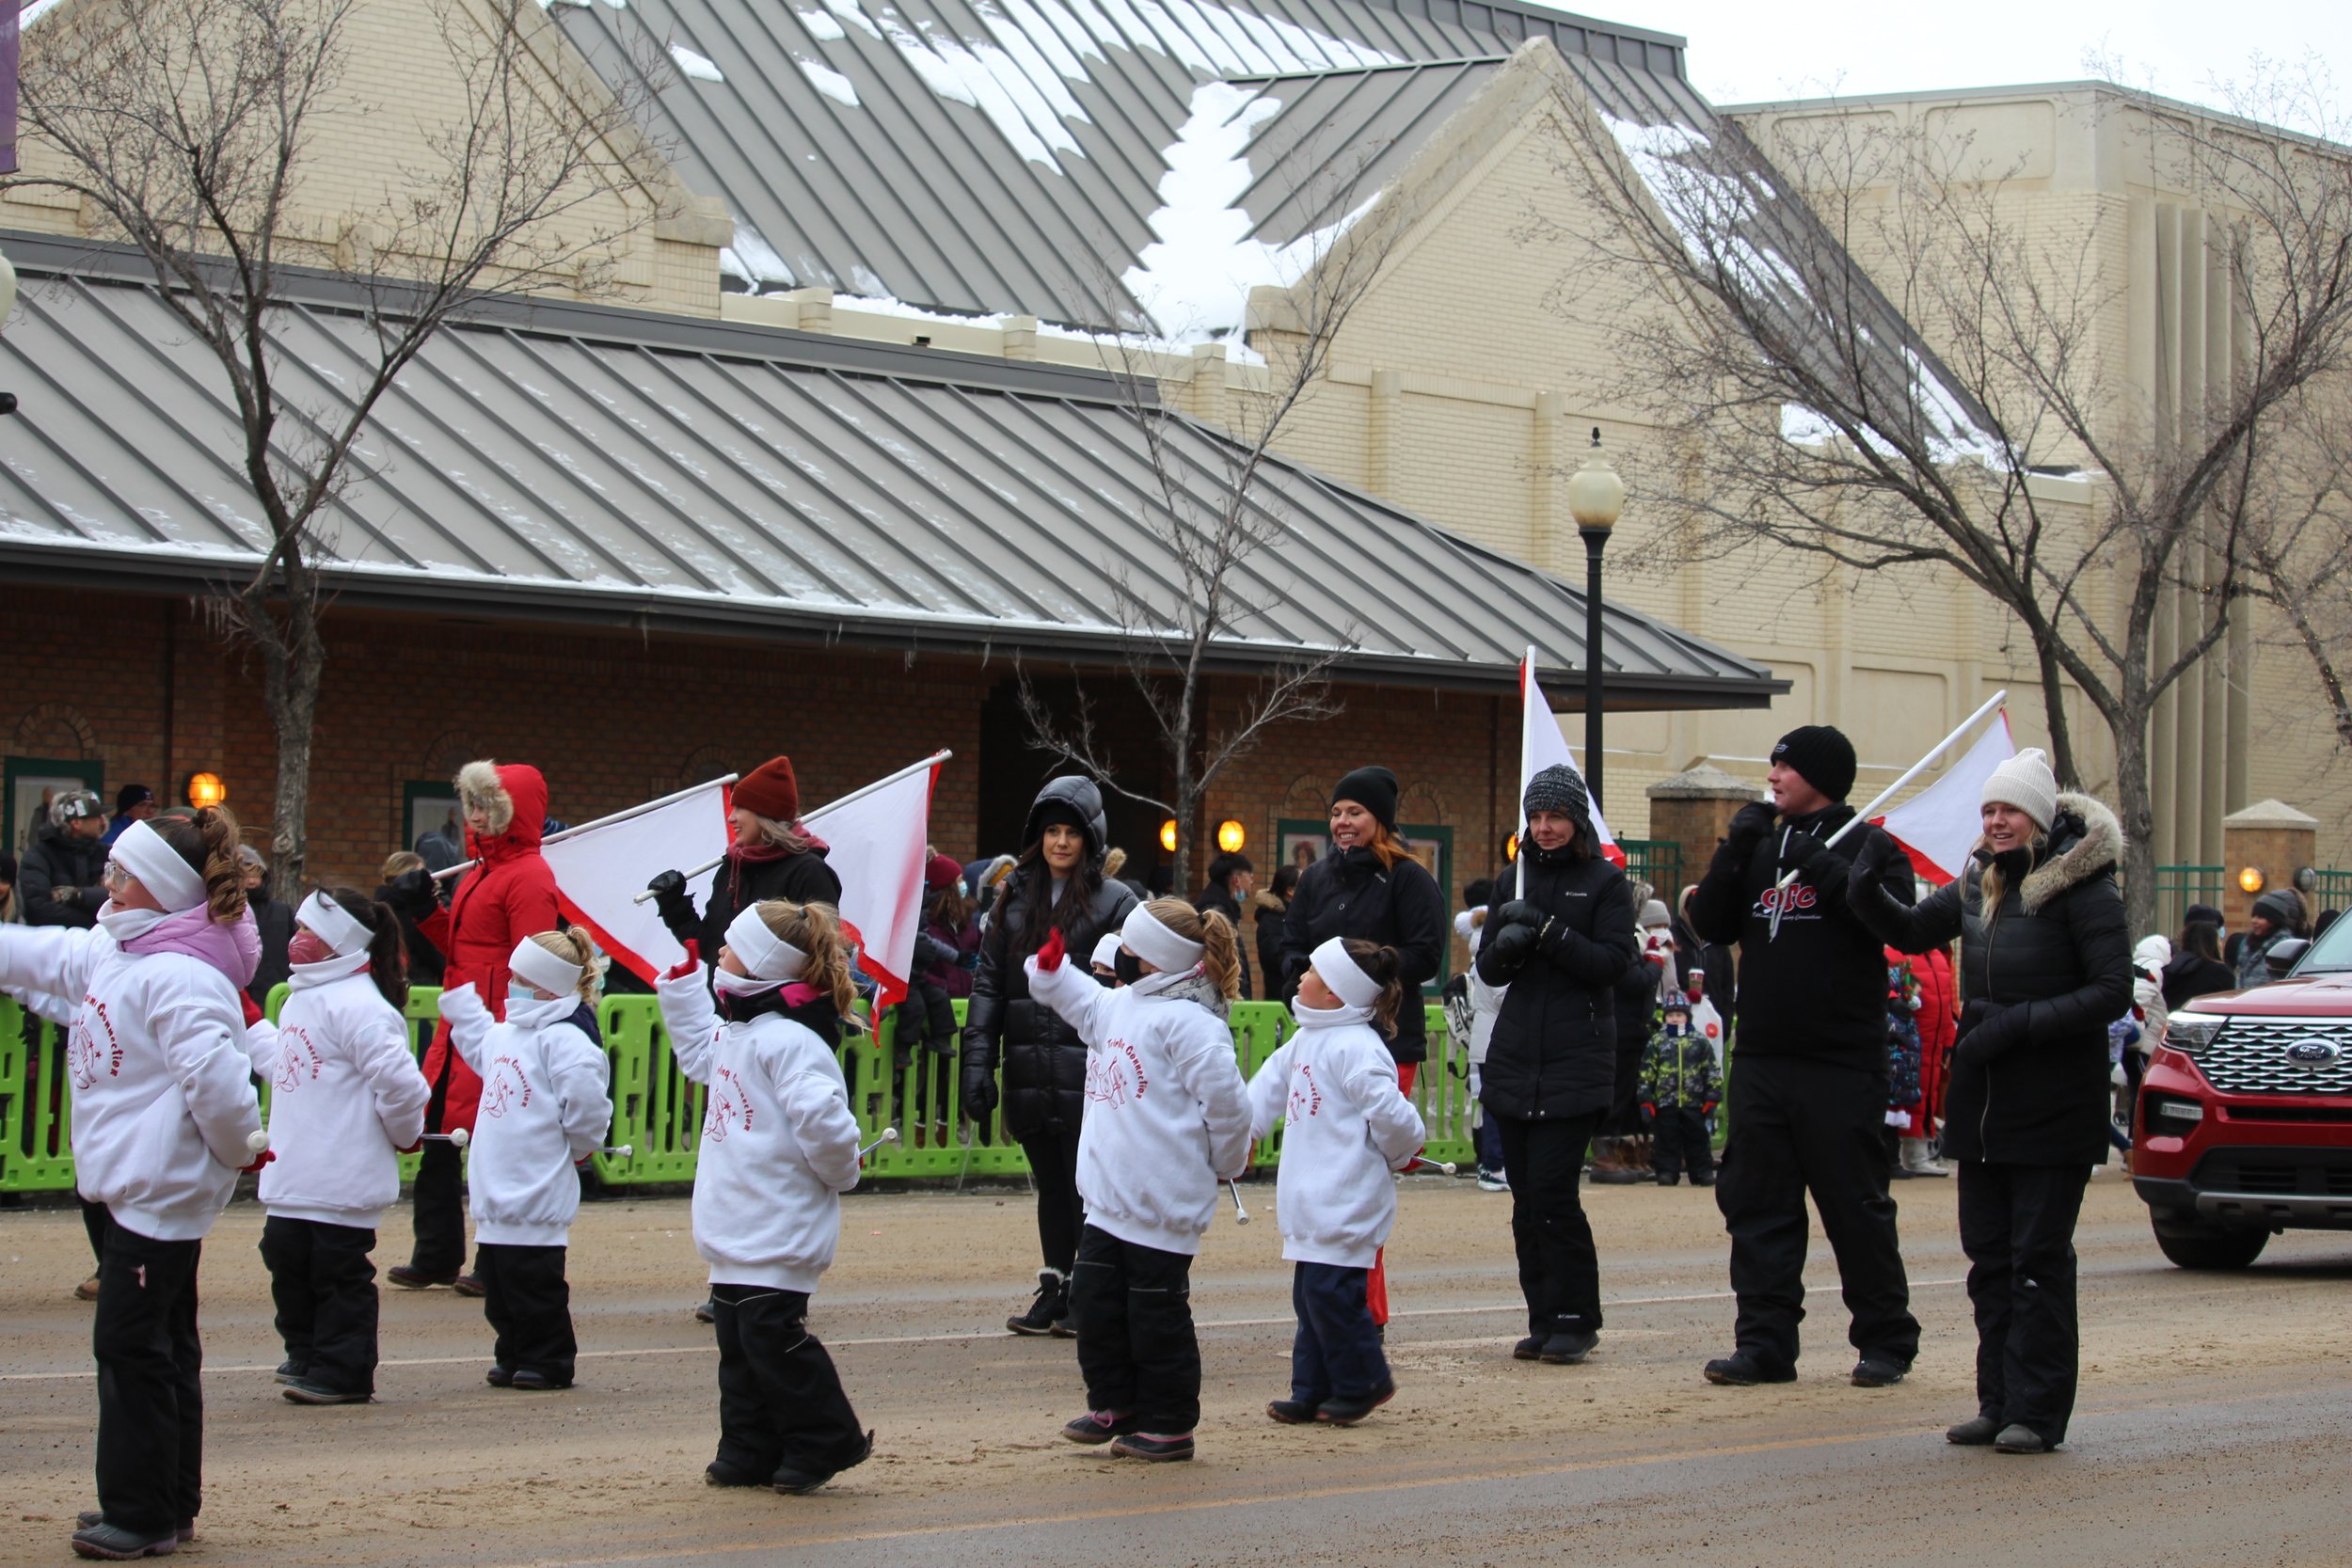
pixel 1807 412
pixel 1213 516
pixel 191 130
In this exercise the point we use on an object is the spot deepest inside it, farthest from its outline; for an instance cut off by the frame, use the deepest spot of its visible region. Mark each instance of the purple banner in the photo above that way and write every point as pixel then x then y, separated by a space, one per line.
pixel 10 37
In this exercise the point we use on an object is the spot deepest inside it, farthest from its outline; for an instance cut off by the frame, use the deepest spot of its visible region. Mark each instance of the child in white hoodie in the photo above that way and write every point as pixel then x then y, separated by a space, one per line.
pixel 543 1109
pixel 1166 1118
pixel 779 1147
pixel 346 1097
pixel 163 1106
pixel 1346 1125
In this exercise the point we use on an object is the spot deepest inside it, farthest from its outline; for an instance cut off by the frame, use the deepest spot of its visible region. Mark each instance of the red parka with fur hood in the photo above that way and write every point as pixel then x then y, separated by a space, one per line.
pixel 508 895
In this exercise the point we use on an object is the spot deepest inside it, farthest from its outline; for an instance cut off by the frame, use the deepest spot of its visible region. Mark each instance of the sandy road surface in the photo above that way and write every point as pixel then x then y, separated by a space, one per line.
pixel 2215 1419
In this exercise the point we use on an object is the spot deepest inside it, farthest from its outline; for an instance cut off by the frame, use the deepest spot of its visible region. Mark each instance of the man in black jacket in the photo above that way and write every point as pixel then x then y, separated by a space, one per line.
pixel 1808 1087
pixel 60 874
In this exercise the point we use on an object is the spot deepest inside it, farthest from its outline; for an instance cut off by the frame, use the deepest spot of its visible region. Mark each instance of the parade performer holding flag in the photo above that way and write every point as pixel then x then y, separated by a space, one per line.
pixel 773 855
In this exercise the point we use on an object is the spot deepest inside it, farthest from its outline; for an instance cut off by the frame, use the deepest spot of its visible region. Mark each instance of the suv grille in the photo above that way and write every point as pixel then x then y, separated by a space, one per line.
pixel 2275 1172
pixel 2250 1056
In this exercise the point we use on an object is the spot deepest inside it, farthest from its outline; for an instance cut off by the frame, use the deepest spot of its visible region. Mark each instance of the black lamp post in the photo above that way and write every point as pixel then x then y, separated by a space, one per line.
pixel 1596 496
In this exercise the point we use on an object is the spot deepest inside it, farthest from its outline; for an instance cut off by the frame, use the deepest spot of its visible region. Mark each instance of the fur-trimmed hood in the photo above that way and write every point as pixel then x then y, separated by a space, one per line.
pixel 513 796
pixel 2085 841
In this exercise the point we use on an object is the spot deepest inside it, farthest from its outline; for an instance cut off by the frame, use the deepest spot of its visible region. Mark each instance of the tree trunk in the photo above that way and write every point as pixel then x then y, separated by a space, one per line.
pixel 1188 812
pixel 294 656
pixel 2054 714
pixel 2134 807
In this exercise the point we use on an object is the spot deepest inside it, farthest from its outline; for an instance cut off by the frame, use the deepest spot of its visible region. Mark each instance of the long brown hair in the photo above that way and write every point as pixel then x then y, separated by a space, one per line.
pixel 1383 964
pixel 209 845
pixel 1993 885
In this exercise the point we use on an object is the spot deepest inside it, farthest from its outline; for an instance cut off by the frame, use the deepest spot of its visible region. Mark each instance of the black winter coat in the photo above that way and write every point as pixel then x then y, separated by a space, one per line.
pixel 1044 1059
pixel 1819 989
pixel 2041 979
pixel 424 959
pixel 274 923
pixel 59 859
pixel 2188 976
pixel 1346 895
pixel 1271 912
pixel 803 879
pixel 1554 1049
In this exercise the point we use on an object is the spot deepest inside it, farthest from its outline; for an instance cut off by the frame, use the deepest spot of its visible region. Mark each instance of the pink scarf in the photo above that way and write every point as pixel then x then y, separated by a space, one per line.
pixel 234 949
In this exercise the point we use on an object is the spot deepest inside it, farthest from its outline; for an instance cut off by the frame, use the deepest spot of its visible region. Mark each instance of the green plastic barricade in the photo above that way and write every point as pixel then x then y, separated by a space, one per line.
pixel 35 1104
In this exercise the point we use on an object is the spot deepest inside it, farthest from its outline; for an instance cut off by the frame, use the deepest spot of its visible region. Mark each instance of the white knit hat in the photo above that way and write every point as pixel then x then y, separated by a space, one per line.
pixel 2025 782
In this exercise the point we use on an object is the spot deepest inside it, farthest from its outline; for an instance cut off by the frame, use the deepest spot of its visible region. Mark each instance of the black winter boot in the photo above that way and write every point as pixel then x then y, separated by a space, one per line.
pixel 1050 1312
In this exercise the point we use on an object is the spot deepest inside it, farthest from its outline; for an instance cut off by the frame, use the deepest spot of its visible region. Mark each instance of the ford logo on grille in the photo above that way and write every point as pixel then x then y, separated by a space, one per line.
pixel 2311 1051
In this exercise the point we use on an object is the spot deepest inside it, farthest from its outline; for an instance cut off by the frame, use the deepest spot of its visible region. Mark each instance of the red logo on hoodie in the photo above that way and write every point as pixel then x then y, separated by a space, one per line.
pixel 728 1106
pixel 507 1084
pixel 83 1054
pixel 1108 1075
pixel 1306 1099
pixel 297 1058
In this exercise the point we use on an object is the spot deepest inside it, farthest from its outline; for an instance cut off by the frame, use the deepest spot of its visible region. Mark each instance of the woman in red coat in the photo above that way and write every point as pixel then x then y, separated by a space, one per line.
pixel 1939 1025
pixel 508 895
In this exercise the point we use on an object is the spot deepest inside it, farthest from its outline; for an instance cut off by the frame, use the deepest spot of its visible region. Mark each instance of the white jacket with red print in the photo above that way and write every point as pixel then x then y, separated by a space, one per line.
pixel 1345 1125
pixel 543 1106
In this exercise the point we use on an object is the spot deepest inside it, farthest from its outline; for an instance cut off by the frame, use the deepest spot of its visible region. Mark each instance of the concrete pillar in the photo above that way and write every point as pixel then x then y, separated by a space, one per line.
pixel 2271 837
pixel 1020 336
pixel 1693 809
pixel 1208 384
pixel 815 307
pixel 1544 478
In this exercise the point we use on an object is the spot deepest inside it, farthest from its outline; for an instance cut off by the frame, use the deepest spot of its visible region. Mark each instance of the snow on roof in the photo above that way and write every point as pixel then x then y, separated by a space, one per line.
pixel 697 66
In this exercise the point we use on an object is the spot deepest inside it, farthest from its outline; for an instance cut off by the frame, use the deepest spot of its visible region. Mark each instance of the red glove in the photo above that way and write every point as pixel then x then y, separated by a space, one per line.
pixel 1049 957
pixel 688 964
pixel 1648 1109
pixel 1707 1109
pixel 252 1010
pixel 258 1160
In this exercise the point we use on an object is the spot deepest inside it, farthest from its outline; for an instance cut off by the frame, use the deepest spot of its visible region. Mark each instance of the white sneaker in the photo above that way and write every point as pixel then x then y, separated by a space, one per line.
pixel 1492 1182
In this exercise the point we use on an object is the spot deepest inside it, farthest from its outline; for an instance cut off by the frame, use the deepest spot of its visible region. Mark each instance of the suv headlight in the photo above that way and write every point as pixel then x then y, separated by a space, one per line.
pixel 2171 1112
pixel 2190 1033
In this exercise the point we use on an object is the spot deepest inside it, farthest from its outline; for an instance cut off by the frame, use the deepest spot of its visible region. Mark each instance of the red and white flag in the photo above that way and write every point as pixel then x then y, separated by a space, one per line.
pixel 600 868
pixel 1542 745
pixel 1940 825
pixel 875 840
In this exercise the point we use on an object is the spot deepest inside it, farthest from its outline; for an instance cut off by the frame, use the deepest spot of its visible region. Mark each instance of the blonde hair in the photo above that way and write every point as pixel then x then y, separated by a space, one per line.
pixel 787 836
pixel 209 845
pixel 1221 960
pixel 573 947
pixel 400 863
pixel 1113 861
pixel 1993 886
pixel 815 930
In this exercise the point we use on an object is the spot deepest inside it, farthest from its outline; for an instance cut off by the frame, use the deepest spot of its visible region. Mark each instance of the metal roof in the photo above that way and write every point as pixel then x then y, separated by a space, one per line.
pixel 630 468
pixel 1003 157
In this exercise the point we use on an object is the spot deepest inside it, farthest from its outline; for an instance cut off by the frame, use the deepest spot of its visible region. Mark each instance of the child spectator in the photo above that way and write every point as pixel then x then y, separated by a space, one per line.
pixel 779 1147
pixel 345 1095
pixel 1346 1125
pixel 1166 1118
pixel 1680 1091
pixel 1905 1058
pixel 543 1108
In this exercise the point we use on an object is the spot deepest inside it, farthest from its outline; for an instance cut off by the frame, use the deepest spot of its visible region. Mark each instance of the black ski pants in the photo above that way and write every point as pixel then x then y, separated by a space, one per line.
pixel 1559 1272
pixel 1679 1142
pixel 780 1399
pixel 438 1201
pixel 322 1283
pixel 1801 1127
pixel 529 1303
pixel 2017 1227
pixel 1137 1349
pixel 151 1391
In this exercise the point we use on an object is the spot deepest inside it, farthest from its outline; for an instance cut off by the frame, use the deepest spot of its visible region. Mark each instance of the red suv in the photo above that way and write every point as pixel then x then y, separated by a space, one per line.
pixel 2244 1122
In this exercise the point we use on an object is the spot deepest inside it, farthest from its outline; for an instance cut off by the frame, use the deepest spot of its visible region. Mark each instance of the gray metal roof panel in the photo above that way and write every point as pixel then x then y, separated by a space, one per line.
pixel 1339 136
pixel 628 476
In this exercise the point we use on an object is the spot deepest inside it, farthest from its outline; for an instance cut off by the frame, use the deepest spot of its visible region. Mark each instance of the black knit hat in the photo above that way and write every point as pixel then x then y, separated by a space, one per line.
pixel 1558 788
pixel 1821 756
pixel 1372 788
pixel 2201 913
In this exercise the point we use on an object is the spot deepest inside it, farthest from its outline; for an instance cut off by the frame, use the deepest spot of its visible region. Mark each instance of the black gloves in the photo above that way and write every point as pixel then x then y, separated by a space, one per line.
pixel 1518 912
pixel 930 952
pixel 1750 823
pixel 1821 863
pixel 672 902
pixel 1989 1028
pixel 1507 951
pixel 979 1090
pixel 411 895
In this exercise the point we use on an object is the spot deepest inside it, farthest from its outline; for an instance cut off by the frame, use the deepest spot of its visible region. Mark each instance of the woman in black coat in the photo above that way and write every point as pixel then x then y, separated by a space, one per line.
pixel 1562 945
pixel 1057 885
pixel 2045 965
pixel 772 857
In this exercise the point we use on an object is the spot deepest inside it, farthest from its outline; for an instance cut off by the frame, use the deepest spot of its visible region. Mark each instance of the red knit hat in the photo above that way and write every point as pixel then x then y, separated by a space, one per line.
pixel 771 791
pixel 943 871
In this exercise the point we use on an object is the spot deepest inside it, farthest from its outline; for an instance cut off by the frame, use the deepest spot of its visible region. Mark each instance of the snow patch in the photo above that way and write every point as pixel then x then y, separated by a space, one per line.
pixel 698 66
pixel 33 10
pixel 1951 433
pixel 830 82
pixel 751 259
pixel 822 26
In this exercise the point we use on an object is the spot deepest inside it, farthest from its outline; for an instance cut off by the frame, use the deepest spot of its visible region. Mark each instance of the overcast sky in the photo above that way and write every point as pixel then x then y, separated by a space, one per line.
pixel 1742 51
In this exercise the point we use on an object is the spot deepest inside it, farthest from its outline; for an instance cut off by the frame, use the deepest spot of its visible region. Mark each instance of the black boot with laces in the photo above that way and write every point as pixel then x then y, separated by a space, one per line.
pixel 1050 1312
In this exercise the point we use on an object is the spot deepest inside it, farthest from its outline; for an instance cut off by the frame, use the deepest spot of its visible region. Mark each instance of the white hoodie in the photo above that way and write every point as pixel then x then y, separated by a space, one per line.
pixel 163 1094
pixel 779 1144
pixel 1167 1116
pixel 345 1095
pixel 1346 1126
pixel 543 1106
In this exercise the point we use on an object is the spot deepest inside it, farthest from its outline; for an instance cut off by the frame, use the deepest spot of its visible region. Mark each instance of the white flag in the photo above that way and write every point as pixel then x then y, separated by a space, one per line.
pixel 875 841
pixel 1542 745
pixel 1940 825
pixel 601 867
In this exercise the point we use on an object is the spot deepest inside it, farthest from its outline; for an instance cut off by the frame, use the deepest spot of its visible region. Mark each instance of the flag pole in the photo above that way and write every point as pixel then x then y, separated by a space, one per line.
pixel 934 760
pixel 1527 679
pixel 1887 794
pixel 638 810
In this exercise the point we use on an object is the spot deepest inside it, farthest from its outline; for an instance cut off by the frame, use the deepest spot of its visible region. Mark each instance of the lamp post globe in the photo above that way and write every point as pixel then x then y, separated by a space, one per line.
pixel 1596 496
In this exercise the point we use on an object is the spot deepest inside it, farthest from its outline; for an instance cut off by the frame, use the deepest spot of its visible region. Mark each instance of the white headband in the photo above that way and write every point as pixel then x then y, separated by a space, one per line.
pixel 1158 946
pixel 1347 980
pixel 764 955
pixel 1106 952
pixel 149 856
pixel 535 964
pixel 335 924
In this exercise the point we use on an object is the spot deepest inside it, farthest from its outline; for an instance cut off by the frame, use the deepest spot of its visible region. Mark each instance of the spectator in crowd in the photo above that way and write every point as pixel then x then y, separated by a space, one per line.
pixel 406 880
pixel 61 874
pixel 133 802
pixel 1272 905
pixel 1680 1089
pixel 2197 969
pixel 1939 1018
pixel 947 951
pixel 1233 883
pixel 2277 915
pixel 1621 1157
pixel 9 915
pixel 271 919
pixel 1713 959
pixel 445 845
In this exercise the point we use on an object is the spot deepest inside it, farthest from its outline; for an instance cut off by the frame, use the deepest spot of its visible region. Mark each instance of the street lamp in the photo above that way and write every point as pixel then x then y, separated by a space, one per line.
pixel 1596 495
